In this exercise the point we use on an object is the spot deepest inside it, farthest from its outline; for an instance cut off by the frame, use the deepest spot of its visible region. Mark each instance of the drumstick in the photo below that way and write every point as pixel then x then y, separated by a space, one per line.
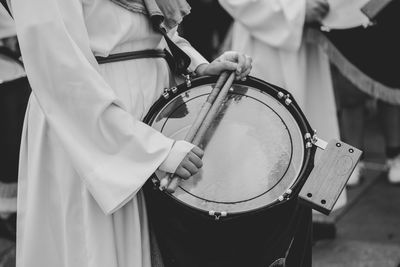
pixel 199 119
pixel 173 185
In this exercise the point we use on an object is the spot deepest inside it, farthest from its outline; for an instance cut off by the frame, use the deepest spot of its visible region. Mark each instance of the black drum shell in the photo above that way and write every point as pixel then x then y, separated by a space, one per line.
pixel 189 237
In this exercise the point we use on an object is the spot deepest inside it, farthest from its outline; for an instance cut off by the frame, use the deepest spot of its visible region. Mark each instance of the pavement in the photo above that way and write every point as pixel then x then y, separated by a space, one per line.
pixel 368 233
pixel 367 228
pixel 7 253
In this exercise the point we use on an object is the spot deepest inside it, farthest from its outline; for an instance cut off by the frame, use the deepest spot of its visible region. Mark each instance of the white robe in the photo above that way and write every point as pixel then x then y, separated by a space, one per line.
pixel 7 27
pixel 271 32
pixel 85 153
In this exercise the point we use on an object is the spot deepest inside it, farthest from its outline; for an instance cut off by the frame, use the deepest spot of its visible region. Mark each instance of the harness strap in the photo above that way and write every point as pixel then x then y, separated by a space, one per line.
pixel 150 53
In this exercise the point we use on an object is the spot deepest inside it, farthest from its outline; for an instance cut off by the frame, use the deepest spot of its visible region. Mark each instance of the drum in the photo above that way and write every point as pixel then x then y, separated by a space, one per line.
pixel 245 206
pixel 14 95
pixel 257 150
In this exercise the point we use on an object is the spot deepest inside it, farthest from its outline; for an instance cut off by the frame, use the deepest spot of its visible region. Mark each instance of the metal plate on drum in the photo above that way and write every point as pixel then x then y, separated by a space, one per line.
pixel 10 69
pixel 254 149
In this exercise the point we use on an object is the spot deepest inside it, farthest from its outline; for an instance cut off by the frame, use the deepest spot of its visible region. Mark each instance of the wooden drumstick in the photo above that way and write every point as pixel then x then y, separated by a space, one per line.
pixel 206 123
pixel 199 119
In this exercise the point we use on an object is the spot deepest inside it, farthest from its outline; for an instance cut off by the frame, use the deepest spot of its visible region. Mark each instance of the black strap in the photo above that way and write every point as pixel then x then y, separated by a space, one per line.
pixel 181 59
pixel 150 53
pixel 4 3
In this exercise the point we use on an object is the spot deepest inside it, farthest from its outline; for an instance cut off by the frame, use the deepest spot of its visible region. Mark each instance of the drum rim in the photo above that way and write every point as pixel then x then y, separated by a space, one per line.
pixel 271 89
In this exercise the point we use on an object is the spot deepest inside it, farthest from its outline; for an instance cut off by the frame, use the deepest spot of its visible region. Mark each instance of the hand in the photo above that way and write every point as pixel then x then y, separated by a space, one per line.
pixel 316 10
pixel 231 60
pixel 190 164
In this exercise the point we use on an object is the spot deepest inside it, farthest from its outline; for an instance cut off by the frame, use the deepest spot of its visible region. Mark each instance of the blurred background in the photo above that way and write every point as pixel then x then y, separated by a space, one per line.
pixel 365 229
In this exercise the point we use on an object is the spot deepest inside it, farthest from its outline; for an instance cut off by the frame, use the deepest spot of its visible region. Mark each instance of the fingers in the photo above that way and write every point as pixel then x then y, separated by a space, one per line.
pixel 183 173
pixel 226 65
pixel 198 151
pixel 228 61
pixel 241 64
pixel 191 164
pixel 216 67
pixel 244 63
pixel 246 68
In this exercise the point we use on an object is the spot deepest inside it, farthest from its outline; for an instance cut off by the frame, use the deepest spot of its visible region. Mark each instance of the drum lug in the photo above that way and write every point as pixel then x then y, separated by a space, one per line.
pixel 188 80
pixel 174 89
pixel 287 99
pixel 314 140
pixel 285 196
pixel 166 93
pixel 217 214
pixel 308 140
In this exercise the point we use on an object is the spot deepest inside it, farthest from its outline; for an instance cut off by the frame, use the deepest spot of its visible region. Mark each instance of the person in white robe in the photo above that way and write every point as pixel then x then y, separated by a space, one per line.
pixel 85 153
pixel 272 33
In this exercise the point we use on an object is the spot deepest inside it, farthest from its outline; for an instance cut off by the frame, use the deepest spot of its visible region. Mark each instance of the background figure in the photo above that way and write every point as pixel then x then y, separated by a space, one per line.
pixel 272 33
pixel 206 26
pixel 375 50
pixel 14 94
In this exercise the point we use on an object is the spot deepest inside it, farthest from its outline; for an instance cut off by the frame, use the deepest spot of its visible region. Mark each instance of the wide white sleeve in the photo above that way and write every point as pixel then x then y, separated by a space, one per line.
pixel 278 23
pixel 113 152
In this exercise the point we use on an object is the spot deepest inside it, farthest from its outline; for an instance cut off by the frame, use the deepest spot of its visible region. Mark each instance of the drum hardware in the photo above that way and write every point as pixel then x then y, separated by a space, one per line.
pixel 329 176
pixel 188 80
pixel 259 151
pixel 324 185
pixel 217 214
pixel 168 91
pixel 314 140
pixel 286 97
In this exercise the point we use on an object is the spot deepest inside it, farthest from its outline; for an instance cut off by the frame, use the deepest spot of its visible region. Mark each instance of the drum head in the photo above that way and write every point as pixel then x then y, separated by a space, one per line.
pixel 345 14
pixel 254 150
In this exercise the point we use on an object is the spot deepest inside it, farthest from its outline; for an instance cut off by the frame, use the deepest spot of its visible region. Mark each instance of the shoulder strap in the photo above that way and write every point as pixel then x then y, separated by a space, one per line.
pixel 181 59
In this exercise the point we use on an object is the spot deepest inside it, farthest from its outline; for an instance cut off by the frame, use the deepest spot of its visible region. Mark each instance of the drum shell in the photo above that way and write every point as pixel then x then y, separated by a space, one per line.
pixel 185 233
pixel 189 238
